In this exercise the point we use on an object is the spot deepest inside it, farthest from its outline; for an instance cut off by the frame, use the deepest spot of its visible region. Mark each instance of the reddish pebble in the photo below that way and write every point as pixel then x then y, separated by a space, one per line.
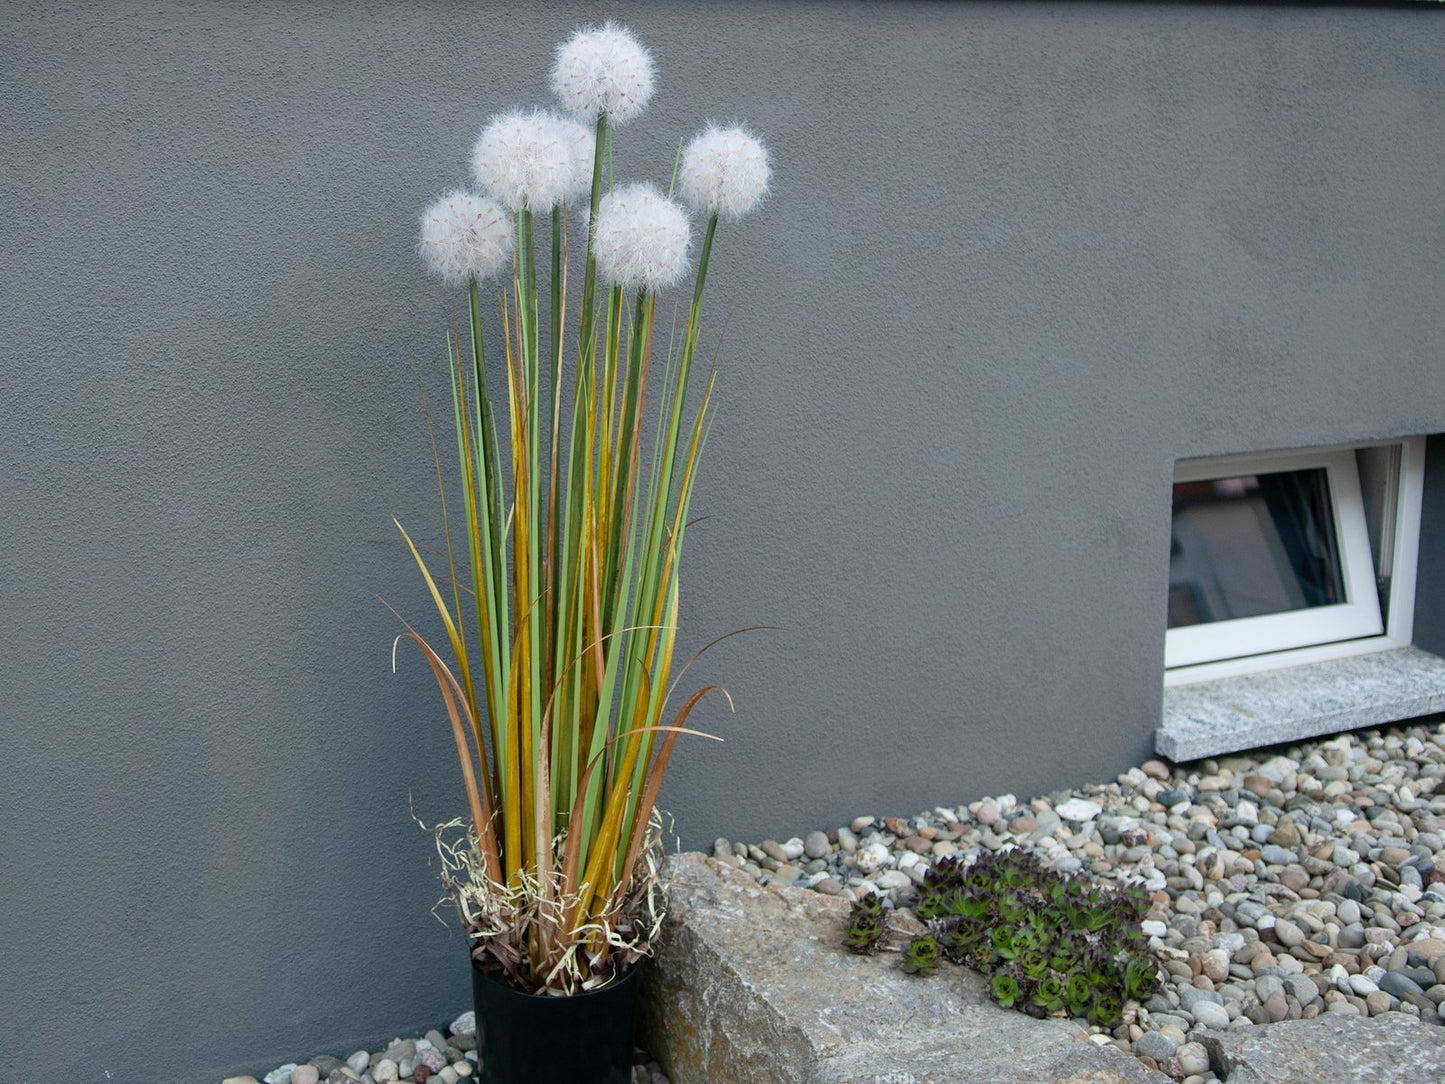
pixel 421 1073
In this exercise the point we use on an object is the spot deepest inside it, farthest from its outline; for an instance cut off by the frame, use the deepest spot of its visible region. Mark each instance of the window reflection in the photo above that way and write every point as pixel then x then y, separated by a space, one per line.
pixel 1249 545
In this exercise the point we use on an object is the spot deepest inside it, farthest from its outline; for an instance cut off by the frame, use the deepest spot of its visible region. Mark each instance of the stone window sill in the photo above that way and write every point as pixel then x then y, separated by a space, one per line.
pixel 1230 714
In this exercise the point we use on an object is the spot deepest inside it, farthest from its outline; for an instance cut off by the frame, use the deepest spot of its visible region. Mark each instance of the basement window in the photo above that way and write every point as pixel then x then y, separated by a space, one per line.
pixel 1291 557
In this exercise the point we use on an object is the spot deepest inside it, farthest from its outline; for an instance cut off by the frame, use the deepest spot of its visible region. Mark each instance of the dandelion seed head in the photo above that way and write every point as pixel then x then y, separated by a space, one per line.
pixel 464 235
pixel 525 159
pixel 604 70
pixel 641 238
pixel 724 170
pixel 583 143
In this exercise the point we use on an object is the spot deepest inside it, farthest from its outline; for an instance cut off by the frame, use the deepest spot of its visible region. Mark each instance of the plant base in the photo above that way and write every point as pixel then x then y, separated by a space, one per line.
pixel 528 1039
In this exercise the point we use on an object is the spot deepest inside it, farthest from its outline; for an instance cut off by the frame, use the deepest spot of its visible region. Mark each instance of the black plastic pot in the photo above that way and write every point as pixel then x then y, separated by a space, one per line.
pixel 528 1039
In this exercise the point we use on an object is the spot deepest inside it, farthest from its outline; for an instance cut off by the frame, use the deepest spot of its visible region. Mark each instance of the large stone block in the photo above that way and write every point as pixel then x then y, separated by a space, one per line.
pixel 751 986
pixel 1331 1049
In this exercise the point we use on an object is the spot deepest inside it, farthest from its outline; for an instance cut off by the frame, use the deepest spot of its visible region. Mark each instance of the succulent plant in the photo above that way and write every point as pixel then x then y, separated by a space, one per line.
pixel 867 925
pixel 1051 944
pixel 921 955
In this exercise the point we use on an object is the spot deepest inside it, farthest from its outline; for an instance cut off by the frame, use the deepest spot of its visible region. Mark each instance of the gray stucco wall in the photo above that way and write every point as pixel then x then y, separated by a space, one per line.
pixel 1019 258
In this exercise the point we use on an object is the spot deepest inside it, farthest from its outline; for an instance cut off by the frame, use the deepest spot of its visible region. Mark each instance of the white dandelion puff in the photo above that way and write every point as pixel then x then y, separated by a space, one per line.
pixel 465 236
pixel 641 238
pixel 603 71
pixel 724 171
pixel 526 159
pixel 583 143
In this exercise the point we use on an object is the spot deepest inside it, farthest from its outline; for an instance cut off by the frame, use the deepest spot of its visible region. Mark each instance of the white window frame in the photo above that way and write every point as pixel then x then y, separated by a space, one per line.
pixel 1272 641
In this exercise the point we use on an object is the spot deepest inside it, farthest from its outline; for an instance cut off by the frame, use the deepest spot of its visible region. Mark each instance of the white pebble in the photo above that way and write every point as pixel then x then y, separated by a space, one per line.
pixel 871 859
pixel 1361 985
pixel 1078 809
pixel 358 1062
pixel 892 878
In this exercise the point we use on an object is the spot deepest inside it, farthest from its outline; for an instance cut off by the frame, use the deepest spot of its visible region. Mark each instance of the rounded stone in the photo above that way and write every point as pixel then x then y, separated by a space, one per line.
pixel 1215 964
pixel 1193 1059
pixel 1361 985
pixel 1209 1015
pixel 816 845
pixel 305 1074
pixel 385 1071
pixel 1288 933
pixel 1393 982
pixel 892 878
pixel 1155 1045
pixel 1266 986
pixel 1276 1007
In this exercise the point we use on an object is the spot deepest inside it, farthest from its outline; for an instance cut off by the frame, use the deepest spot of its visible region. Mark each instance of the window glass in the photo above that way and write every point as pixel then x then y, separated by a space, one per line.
pixel 1268 553
pixel 1253 544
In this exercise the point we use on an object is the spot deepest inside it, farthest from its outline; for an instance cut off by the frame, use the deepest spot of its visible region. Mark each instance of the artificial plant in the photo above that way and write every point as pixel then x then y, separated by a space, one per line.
pixel 559 598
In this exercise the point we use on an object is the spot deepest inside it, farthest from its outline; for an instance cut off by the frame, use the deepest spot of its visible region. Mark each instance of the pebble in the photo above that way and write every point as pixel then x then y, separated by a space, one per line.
pixel 1156 1045
pixel 1193 1059
pixel 305 1074
pixel 1209 1015
pixel 1077 809
pixel 816 845
pixel 891 879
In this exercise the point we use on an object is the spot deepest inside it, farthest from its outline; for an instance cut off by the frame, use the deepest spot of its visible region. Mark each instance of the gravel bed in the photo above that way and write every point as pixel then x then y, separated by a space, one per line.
pixel 1287 883
pixel 435 1058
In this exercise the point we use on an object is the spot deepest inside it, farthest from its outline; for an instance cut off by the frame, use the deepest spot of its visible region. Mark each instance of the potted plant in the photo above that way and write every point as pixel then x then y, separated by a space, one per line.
pixel 559 596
